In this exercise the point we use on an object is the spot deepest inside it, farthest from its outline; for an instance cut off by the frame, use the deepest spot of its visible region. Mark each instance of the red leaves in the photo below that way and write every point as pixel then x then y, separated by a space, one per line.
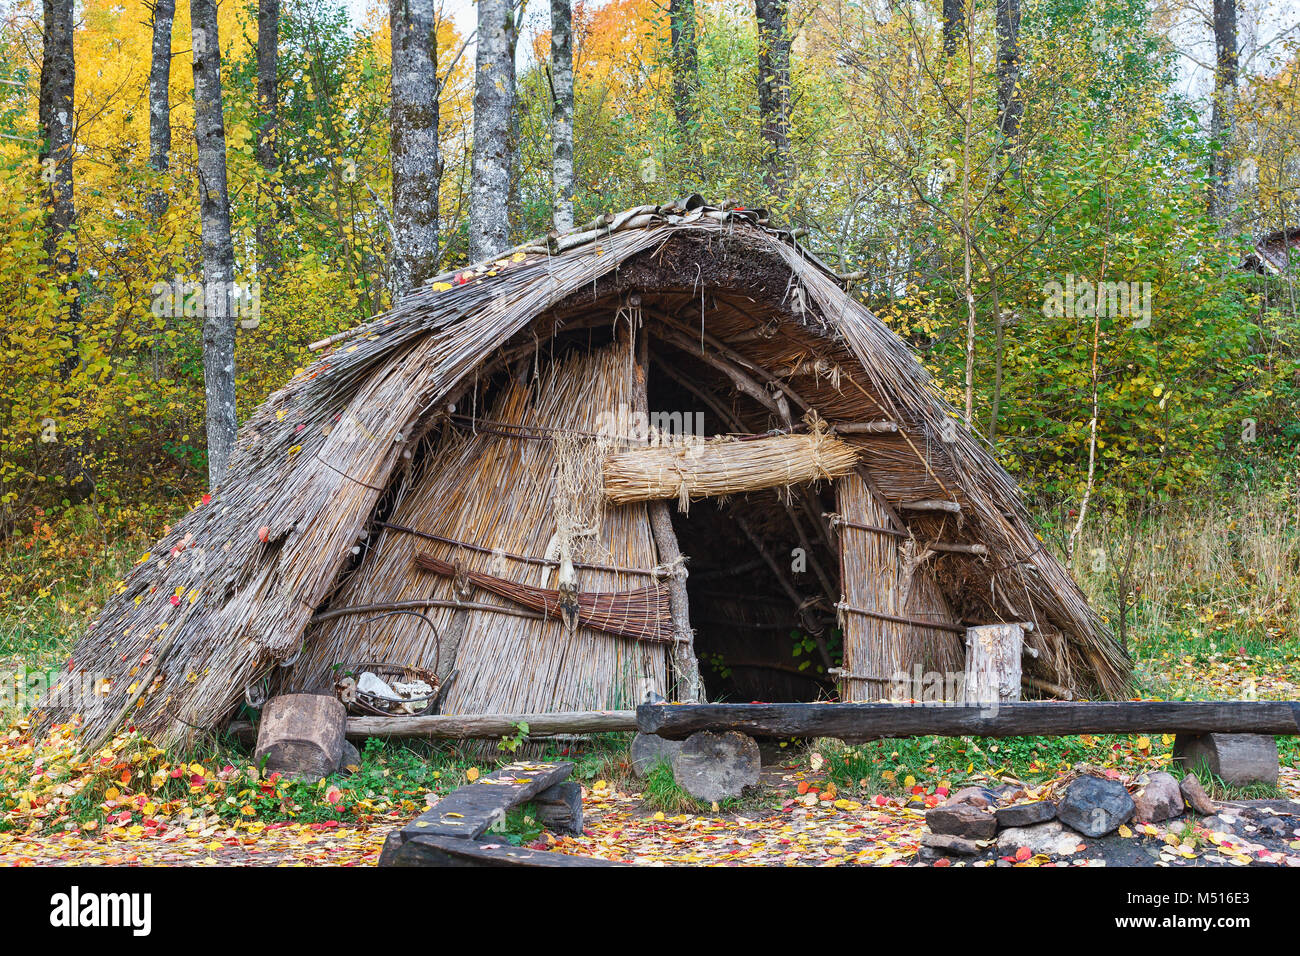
pixel 264 534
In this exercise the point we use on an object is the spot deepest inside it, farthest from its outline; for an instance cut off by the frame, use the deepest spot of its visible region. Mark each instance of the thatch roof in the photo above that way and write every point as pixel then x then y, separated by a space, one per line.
pixel 229 592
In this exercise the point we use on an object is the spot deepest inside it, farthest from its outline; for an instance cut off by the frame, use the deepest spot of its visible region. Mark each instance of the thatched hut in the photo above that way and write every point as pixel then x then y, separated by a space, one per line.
pixel 572 472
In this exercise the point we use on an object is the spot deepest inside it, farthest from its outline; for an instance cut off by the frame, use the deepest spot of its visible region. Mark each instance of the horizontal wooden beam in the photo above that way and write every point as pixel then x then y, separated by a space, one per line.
pixel 857 722
pixel 456 851
pixel 939 504
pixel 465 726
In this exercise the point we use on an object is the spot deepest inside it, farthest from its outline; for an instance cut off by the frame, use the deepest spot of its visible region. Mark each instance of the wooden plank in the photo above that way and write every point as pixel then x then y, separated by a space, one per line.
pixel 993 653
pixel 467 726
pixel 868 721
pixel 425 850
pixel 469 811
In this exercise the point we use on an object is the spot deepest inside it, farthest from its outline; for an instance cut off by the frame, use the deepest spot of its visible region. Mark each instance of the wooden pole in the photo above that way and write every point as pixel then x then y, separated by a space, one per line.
pixel 686 667
pixel 1047 718
pixel 468 726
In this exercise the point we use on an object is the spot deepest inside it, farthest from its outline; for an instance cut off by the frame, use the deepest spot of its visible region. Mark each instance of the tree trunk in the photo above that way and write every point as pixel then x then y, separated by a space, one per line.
pixel 562 112
pixel 685 63
pixel 160 123
pixel 494 102
pixel 993 654
pixel 1011 105
pixel 268 101
pixel 414 142
pixel 1224 107
pixel 774 93
pixel 218 252
pixel 954 16
pixel 58 84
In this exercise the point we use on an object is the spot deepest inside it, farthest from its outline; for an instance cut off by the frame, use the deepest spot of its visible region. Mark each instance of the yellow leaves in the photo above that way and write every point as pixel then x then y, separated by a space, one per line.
pixel 471 774
pixel 1143 743
pixel 441 286
pixel 1124 831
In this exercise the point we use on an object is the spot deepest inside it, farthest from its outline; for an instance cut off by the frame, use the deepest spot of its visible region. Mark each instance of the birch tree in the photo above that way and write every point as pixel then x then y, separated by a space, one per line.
pixel 218 251
pixel 562 112
pixel 413 131
pixel 494 105
pixel 163 13
pixel 954 15
pixel 685 63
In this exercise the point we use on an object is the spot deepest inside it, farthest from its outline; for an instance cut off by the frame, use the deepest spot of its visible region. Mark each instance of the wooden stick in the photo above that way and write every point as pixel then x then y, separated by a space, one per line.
pixel 468 726
pixel 952 507
pixel 866 428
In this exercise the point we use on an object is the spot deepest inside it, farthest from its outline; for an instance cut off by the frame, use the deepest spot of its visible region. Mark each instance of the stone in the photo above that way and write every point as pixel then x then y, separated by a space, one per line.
pixel 350 760
pixel 1026 814
pixel 962 820
pixel 1051 838
pixel 713 766
pixel 1157 798
pixel 1195 796
pixel 301 736
pixel 1275 827
pixel 1095 807
pixel 972 796
pixel 949 844
pixel 1236 759
pixel 647 750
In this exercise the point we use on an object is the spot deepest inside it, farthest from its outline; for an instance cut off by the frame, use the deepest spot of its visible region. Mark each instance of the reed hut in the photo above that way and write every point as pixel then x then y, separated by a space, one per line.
pixel 570 474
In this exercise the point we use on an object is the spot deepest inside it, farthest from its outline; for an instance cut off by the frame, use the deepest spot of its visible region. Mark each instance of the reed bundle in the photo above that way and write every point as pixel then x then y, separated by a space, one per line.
pixel 641 614
pixel 724 466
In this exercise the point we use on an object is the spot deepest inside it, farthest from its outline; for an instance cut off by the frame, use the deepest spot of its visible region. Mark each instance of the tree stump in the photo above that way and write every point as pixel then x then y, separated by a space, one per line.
pixel 716 766
pixel 301 736
pixel 1237 759
pixel 993 663
pixel 649 750
pixel 559 808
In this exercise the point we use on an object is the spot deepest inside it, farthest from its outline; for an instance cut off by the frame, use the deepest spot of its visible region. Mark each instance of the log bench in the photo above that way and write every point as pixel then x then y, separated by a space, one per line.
pixel 450 833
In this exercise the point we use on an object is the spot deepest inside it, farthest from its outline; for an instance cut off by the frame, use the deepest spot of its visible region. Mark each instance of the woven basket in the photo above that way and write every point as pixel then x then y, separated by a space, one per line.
pixel 373 706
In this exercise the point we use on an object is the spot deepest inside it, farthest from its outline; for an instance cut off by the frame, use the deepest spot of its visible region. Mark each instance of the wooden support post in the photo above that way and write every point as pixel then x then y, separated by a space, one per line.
pixel 686 668
pixel 993 653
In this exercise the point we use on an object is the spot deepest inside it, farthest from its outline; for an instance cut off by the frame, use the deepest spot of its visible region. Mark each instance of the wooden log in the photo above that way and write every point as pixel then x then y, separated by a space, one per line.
pixel 301 736
pixel 559 808
pixel 937 504
pixel 993 653
pixel 1236 759
pixel 452 851
pixel 866 428
pixel 469 726
pixel 468 812
pixel 1048 718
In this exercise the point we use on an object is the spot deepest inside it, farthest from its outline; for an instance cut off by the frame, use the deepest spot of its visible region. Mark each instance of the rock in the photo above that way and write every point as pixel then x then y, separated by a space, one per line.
pixel 350 760
pixel 928 854
pixel 1095 807
pixel 713 766
pixel 1026 814
pixel 647 750
pixel 301 736
pixel 559 808
pixel 1275 827
pixel 1237 759
pixel 947 843
pixel 972 796
pixel 1051 838
pixel 1157 798
pixel 962 820
pixel 1195 795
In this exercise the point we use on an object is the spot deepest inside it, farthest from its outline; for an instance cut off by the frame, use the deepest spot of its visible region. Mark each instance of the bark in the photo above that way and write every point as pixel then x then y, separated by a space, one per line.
pixel 268 102
pixel 414 142
pixel 58 122
pixel 685 63
pixel 160 123
pixel 562 112
pixel 218 252
pixel 1011 105
pixel 774 92
pixel 494 104
pixel 954 17
pixel 1224 106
